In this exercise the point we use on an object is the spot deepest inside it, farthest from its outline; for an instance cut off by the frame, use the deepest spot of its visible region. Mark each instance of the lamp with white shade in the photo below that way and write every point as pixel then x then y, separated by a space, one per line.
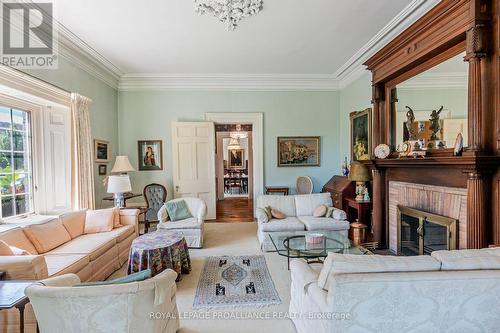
pixel 122 165
pixel 118 185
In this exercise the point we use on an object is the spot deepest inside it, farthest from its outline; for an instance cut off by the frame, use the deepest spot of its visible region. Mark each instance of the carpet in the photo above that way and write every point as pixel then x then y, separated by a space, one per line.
pixel 234 281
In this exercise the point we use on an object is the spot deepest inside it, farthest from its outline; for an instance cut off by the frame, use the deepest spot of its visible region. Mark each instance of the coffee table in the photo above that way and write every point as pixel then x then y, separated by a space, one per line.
pixel 292 244
pixel 12 296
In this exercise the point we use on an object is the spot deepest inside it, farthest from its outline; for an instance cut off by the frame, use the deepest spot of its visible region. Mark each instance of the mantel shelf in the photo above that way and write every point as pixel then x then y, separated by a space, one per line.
pixel 471 162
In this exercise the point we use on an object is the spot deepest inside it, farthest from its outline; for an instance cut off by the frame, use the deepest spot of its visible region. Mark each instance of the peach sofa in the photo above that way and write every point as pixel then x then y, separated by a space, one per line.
pixel 61 247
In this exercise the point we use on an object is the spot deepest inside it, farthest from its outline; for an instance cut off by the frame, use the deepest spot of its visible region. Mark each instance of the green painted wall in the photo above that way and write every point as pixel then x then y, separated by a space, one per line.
pixel 355 97
pixel 148 115
pixel 103 111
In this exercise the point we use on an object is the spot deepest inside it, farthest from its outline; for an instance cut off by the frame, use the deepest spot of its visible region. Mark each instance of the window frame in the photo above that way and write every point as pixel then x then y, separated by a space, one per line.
pixel 35 111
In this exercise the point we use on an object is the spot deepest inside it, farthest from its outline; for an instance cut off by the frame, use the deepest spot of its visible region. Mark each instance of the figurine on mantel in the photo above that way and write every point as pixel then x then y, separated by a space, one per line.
pixel 345 168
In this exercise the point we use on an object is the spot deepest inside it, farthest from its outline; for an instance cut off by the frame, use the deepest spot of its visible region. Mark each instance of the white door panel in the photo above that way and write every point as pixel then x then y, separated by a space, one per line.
pixel 193 154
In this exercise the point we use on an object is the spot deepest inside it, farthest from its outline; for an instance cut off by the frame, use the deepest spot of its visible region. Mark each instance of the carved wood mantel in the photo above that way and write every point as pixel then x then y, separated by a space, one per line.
pixel 450 28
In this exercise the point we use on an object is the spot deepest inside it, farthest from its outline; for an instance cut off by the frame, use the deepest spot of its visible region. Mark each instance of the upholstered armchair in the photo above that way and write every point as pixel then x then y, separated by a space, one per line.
pixel 154 195
pixel 147 306
pixel 192 228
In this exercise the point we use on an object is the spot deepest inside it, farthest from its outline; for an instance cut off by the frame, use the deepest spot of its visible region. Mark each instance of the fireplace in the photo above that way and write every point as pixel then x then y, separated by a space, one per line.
pixel 420 232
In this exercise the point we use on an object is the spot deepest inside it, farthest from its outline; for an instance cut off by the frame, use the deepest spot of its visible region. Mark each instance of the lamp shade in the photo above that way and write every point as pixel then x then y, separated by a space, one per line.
pixel 119 184
pixel 122 164
pixel 359 172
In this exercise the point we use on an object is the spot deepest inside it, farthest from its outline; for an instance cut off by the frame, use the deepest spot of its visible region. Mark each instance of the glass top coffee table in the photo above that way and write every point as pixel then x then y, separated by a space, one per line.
pixel 292 244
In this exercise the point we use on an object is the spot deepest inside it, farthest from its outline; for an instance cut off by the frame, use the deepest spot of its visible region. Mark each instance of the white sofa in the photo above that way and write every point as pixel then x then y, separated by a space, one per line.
pixel 192 228
pixel 450 291
pixel 299 216
pixel 147 306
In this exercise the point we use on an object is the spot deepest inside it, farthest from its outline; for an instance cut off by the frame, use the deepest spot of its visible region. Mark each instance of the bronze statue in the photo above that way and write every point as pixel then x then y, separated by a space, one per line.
pixel 410 116
pixel 435 123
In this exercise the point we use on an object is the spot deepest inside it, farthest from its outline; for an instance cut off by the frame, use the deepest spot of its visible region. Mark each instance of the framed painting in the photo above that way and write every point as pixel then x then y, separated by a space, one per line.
pixel 150 153
pixel 361 134
pixel 299 151
pixel 103 169
pixel 101 151
pixel 236 158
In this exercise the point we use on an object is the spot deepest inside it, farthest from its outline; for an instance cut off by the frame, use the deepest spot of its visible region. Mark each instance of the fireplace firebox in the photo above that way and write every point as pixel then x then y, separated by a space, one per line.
pixel 420 232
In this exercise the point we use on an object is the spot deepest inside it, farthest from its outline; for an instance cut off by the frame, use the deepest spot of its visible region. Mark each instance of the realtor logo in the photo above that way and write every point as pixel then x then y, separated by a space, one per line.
pixel 28 35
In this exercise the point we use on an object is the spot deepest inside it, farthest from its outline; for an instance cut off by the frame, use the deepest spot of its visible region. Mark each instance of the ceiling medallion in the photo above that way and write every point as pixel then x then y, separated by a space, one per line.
pixel 229 12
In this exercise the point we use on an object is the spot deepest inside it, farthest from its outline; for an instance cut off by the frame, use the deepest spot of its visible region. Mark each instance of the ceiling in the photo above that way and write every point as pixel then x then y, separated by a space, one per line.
pixel 286 37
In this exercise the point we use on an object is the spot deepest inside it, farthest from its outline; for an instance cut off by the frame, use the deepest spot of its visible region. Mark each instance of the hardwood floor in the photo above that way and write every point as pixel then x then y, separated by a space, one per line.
pixel 233 210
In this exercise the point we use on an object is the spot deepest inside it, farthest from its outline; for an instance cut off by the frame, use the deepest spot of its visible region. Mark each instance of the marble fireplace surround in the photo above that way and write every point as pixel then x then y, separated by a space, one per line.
pixel 440 200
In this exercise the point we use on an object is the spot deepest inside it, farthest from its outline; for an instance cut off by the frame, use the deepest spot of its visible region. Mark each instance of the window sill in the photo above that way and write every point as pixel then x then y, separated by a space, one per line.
pixel 23 221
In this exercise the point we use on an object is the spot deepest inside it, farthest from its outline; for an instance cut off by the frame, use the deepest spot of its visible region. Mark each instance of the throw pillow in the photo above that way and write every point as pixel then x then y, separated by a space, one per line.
pixel 100 220
pixel 338 214
pixel 268 211
pixel 74 222
pixel 277 214
pixel 5 249
pixel 47 236
pixel 135 277
pixel 320 211
pixel 329 211
pixel 178 210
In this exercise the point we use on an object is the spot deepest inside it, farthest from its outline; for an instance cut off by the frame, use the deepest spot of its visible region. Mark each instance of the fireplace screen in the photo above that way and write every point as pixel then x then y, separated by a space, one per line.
pixel 420 232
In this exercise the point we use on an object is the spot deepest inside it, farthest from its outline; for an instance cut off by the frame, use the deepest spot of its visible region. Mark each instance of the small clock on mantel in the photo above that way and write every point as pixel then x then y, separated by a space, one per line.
pixel 382 151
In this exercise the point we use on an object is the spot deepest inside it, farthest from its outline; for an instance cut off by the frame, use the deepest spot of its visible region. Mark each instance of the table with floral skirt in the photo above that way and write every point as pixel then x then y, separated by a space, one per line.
pixel 160 250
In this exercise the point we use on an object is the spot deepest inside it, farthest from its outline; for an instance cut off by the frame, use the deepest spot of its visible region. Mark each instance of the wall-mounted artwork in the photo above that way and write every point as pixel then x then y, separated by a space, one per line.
pixel 299 151
pixel 103 169
pixel 150 154
pixel 101 151
pixel 236 158
pixel 361 132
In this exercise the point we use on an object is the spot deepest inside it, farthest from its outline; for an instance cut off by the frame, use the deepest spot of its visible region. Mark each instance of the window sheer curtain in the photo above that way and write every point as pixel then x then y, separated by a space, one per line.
pixel 83 168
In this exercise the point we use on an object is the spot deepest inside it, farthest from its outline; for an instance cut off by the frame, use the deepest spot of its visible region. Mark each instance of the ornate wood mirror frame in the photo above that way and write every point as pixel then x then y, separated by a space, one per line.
pixel 451 27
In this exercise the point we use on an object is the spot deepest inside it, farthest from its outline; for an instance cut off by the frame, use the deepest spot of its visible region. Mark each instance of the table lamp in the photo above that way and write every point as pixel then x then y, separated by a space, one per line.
pixel 122 165
pixel 118 185
pixel 360 174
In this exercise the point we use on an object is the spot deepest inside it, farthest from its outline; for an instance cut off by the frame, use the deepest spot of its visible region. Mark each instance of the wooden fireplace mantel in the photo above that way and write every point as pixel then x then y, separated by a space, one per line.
pixel 450 28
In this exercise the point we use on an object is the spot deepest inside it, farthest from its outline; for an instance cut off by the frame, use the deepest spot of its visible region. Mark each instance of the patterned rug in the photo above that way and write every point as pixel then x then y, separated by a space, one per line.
pixel 233 281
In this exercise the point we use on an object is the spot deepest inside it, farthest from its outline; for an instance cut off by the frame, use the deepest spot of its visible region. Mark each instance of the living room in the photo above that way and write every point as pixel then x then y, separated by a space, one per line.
pixel 243 165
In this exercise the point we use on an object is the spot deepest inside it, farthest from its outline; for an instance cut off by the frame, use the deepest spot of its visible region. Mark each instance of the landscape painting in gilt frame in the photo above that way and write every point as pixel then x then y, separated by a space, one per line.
pixel 299 151
pixel 361 132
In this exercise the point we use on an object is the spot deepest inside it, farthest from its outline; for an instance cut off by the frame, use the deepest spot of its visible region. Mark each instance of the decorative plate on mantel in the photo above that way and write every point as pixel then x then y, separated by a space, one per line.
pixel 382 151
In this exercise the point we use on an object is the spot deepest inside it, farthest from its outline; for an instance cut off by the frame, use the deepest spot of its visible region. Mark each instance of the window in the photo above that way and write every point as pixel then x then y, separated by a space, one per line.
pixel 16 176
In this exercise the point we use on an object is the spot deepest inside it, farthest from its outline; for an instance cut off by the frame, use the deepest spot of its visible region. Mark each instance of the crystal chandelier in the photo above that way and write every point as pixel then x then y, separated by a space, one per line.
pixel 229 12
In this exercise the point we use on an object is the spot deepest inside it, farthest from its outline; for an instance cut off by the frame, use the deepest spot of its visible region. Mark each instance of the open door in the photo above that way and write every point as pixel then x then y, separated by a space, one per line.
pixel 193 157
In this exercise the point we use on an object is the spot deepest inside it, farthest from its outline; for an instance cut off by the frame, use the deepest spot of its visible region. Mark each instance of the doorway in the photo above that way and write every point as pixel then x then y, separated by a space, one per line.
pixel 234 172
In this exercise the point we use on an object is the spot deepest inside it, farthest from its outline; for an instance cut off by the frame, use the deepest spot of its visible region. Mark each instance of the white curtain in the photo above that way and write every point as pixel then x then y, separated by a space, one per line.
pixel 83 168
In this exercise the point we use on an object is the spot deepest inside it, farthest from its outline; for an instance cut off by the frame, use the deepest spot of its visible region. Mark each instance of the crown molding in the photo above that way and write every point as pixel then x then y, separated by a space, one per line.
pixel 82 55
pixel 353 69
pixel 229 82
pixel 456 80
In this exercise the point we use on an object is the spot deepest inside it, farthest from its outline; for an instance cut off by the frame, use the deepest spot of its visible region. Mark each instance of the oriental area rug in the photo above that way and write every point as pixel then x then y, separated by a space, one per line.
pixel 234 281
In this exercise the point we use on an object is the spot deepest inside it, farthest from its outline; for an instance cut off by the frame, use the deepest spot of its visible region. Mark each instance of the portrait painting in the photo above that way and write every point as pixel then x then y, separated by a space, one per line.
pixel 299 151
pixel 236 158
pixel 150 154
pixel 101 151
pixel 361 135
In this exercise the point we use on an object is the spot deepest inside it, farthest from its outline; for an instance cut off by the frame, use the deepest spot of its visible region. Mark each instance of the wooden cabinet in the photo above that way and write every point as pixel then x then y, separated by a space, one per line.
pixel 340 188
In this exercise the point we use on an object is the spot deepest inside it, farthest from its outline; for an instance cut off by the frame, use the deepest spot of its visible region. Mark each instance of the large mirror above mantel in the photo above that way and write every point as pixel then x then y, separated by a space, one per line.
pixel 431 107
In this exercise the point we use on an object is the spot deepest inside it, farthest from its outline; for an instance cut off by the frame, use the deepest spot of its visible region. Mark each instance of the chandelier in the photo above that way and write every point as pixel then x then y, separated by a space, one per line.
pixel 229 12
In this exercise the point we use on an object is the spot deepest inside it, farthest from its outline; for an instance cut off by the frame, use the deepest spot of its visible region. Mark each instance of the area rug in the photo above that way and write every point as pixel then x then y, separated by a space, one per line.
pixel 234 281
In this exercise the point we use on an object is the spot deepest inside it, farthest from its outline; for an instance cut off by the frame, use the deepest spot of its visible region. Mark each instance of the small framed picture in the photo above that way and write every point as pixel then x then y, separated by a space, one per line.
pixel 236 158
pixel 101 151
pixel 150 154
pixel 103 169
